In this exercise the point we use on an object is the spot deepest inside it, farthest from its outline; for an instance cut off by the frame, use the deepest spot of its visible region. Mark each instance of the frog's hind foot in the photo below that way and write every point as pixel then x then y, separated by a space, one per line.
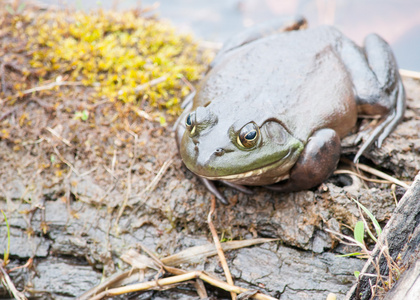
pixel 381 132
pixel 389 96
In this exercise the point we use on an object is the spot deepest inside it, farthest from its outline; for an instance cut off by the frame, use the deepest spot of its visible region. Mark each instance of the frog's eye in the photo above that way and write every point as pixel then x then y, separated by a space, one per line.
pixel 190 123
pixel 248 136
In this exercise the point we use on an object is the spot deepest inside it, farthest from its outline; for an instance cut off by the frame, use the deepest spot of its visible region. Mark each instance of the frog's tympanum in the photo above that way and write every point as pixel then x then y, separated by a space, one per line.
pixel 277 100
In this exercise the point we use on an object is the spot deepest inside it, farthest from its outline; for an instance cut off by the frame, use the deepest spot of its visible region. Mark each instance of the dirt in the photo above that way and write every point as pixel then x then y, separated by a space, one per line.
pixel 79 194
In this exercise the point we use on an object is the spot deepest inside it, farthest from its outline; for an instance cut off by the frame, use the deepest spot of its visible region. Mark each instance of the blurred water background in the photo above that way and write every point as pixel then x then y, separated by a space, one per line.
pixel 397 21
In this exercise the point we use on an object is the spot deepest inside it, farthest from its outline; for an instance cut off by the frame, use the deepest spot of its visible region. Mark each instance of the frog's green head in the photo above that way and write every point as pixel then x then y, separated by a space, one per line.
pixel 222 145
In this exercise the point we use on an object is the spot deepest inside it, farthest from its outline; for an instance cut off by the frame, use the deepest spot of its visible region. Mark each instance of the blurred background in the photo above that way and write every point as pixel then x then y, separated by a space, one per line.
pixel 397 21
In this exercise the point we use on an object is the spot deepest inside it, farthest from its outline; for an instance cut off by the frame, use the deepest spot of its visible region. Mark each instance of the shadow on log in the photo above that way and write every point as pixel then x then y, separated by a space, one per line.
pixel 402 235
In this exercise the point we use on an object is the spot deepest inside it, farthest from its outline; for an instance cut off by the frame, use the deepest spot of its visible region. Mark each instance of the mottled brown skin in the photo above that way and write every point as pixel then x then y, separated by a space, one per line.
pixel 300 91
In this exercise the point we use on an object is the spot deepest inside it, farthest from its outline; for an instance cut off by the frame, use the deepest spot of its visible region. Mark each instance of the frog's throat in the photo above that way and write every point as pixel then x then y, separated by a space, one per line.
pixel 279 170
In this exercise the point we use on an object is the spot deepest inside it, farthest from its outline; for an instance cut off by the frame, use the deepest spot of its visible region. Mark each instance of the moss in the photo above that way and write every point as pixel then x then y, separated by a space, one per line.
pixel 124 56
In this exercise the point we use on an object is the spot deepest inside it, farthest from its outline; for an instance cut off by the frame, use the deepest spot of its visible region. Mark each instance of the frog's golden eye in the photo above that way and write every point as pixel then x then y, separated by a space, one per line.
pixel 190 123
pixel 248 136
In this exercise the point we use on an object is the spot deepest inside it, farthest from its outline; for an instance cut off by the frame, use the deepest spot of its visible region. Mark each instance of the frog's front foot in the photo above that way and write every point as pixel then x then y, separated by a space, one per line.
pixel 316 163
pixel 214 190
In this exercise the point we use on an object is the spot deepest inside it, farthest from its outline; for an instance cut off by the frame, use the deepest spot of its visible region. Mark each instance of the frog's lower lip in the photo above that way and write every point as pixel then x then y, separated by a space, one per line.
pixel 255 172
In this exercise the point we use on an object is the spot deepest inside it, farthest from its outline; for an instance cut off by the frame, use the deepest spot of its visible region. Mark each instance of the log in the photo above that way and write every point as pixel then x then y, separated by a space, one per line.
pixel 402 235
pixel 408 287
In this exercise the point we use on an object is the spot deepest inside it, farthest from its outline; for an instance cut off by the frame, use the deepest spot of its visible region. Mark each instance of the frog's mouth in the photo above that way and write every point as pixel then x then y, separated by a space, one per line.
pixel 268 174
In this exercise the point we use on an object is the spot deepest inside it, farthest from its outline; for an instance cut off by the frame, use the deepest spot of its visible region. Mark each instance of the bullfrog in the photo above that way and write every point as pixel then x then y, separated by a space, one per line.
pixel 277 100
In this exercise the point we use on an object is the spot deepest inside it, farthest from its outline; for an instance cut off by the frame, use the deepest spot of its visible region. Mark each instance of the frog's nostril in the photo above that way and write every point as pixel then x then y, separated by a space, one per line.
pixel 219 152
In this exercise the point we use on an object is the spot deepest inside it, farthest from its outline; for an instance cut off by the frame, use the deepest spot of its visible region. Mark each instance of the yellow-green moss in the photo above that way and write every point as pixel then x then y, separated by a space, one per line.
pixel 115 53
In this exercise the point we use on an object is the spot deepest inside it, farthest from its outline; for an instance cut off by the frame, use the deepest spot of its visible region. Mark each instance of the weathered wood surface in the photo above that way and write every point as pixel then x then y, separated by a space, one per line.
pixel 402 234
pixel 408 287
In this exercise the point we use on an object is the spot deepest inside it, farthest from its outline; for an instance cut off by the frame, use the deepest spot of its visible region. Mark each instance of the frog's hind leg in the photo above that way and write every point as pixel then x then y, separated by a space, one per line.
pixel 388 92
pixel 259 31
pixel 381 132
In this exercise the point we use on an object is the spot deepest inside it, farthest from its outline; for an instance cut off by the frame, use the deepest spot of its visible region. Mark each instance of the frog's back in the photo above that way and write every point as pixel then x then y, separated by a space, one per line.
pixel 295 77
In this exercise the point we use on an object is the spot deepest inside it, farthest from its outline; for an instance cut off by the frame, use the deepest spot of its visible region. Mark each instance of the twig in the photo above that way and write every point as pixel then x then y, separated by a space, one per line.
pixel 51 85
pixel 5 279
pixel 141 113
pixel 381 175
pixel 198 284
pixel 55 133
pixel 200 253
pixel 191 87
pixel 177 280
pixel 410 74
pixel 152 185
pixel 140 262
pixel 28 264
pixel 219 246
pixel 340 171
pixel 104 285
pixel 150 83
pixel 66 161
pixel 128 193
pixel 48 86
pixel 88 172
pixel 9 112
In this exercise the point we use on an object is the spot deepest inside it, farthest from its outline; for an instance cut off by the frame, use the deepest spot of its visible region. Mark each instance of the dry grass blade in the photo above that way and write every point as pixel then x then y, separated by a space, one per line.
pixel 201 289
pixel 178 280
pixel 7 282
pixel 199 253
pixel 340 171
pixel 152 185
pixel 137 260
pixel 381 175
pixel 57 135
pixel 140 261
pixel 143 86
pixel 65 161
pixel 48 86
pixel 410 74
pixel 219 246
pixel 107 284
pixel 169 269
pixel 145 285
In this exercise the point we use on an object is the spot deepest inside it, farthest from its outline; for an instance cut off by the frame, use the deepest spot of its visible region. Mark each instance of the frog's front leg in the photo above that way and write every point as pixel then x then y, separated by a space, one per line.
pixel 316 163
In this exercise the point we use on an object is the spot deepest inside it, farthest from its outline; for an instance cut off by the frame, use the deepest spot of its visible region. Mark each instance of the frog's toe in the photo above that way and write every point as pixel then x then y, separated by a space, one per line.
pixel 238 187
pixel 213 189
pixel 381 132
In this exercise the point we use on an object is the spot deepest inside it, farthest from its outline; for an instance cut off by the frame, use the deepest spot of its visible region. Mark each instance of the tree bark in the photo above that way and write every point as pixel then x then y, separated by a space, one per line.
pixel 402 235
